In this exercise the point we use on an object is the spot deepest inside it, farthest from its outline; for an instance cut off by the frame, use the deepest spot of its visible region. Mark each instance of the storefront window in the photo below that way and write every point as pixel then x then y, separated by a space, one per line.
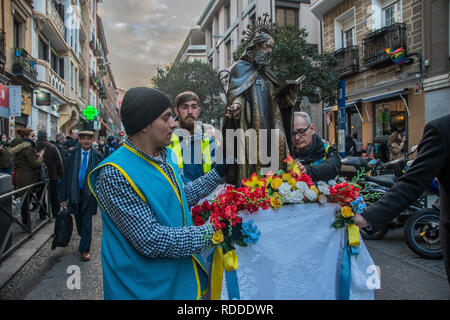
pixel 389 117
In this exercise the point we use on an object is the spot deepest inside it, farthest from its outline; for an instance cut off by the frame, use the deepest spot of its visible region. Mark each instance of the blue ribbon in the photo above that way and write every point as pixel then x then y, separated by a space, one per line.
pixel 346 270
pixel 232 285
pixel 232 280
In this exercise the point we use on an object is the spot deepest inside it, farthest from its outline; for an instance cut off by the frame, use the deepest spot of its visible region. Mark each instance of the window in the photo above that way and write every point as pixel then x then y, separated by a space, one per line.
pixel 16 34
pixel 389 117
pixel 228 53
pixel 54 61
pixel 348 37
pixel 61 68
pixel 227 16
pixel 345 31
pixel 391 13
pixel 286 16
pixel 43 49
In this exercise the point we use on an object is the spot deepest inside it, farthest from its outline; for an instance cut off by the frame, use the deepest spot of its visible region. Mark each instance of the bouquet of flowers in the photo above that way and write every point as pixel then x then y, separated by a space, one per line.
pixel 222 212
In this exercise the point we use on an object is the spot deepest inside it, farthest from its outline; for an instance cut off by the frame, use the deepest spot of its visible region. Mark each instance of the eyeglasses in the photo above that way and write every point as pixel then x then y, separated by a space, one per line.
pixel 302 131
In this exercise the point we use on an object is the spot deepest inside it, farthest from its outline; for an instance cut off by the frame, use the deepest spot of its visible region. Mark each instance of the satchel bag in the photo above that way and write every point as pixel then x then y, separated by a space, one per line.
pixel 63 229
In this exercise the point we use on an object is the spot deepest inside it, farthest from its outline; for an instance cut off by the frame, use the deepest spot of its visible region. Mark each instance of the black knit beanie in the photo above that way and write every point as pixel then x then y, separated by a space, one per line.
pixel 140 106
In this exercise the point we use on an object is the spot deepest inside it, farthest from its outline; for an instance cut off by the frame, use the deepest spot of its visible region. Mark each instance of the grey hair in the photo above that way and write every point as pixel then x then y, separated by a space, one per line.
pixel 59 136
pixel 304 115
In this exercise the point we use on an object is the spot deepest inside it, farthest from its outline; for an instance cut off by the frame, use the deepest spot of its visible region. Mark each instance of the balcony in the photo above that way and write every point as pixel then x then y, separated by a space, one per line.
pixel 392 37
pixel 347 61
pixel 24 65
pixel 102 91
pixel 2 47
pixel 93 79
pixel 47 75
pixel 49 20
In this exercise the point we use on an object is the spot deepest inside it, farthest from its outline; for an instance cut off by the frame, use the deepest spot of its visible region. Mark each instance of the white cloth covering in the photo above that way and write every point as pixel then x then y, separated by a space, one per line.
pixel 298 256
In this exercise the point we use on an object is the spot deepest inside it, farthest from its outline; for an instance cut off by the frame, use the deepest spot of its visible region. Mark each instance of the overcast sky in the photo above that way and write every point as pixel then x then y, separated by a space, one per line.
pixel 143 35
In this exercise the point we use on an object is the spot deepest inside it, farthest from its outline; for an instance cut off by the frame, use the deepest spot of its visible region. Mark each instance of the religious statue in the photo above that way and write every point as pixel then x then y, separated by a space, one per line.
pixel 258 100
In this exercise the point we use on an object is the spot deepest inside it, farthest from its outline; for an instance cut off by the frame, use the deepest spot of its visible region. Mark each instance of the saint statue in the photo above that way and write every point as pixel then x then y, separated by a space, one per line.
pixel 258 100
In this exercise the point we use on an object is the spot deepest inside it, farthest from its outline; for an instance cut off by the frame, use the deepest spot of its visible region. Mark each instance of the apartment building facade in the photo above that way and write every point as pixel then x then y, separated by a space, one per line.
pixel 223 22
pixel 193 48
pixel 48 65
pixel 382 96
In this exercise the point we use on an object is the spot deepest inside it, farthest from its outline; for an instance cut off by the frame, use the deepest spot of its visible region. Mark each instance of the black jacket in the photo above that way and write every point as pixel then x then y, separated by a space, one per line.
pixel 70 190
pixel 325 171
pixel 52 160
pixel 433 160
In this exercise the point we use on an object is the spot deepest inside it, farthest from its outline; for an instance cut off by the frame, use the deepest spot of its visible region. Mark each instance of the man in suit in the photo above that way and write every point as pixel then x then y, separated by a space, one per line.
pixel 75 193
pixel 433 160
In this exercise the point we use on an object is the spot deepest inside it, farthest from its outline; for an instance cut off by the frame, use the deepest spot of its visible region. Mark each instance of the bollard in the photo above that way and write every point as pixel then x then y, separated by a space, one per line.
pixel 5 220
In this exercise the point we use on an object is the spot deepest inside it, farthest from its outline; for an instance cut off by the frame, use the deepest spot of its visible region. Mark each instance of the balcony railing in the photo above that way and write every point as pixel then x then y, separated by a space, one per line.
pixel 392 37
pixel 2 46
pixel 347 61
pixel 24 65
pixel 56 14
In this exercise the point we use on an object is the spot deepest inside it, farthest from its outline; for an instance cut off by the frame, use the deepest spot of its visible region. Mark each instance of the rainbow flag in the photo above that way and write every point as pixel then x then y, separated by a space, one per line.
pixel 398 56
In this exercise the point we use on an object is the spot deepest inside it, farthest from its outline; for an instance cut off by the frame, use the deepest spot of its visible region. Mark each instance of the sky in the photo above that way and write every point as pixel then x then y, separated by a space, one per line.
pixel 143 35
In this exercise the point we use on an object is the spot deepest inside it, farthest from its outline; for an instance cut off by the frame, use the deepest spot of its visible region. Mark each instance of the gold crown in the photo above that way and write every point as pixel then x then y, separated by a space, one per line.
pixel 261 25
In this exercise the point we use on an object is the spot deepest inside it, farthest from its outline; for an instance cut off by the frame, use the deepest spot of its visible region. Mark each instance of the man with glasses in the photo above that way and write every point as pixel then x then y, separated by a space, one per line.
pixel 318 159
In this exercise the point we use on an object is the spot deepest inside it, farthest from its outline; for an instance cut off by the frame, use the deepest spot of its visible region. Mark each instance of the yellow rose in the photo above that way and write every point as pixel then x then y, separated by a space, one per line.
pixel 347 212
pixel 276 183
pixel 269 180
pixel 292 183
pixel 276 201
pixel 314 188
pixel 286 176
pixel 217 237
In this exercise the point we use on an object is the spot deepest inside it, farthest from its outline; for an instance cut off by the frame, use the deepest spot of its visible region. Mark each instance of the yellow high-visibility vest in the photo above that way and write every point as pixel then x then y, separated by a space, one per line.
pixel 206 152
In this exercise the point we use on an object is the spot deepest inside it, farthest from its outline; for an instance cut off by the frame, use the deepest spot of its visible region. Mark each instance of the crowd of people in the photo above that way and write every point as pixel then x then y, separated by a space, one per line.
pixel 31 159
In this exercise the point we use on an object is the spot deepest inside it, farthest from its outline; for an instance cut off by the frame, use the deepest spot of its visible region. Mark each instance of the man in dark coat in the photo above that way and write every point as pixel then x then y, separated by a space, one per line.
pixel 433 160
pixel 55 168
pixel 72 142
pixel 319 160
pixel 59 143
pixel 75 193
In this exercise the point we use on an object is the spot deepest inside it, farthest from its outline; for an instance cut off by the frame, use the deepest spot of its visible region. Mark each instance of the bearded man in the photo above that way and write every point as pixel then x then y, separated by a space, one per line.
pixel 256 101
pixel 192 145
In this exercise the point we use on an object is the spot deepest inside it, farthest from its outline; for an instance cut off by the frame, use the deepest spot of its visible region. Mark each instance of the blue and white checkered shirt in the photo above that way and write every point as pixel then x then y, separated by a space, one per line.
pixel 137 222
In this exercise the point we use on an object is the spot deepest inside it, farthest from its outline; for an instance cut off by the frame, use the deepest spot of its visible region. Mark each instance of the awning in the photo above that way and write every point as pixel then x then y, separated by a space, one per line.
pixel 387 95
pixel 347 106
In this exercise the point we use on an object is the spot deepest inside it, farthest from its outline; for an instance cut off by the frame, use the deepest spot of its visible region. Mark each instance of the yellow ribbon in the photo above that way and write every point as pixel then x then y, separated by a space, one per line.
pixel 353 235
pixel 221 262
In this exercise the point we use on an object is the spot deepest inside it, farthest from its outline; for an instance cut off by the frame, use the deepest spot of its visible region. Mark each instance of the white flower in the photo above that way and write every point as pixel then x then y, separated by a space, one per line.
pixel 301 185
pixel 294 197
pixel 341 179
pixel 320 183
pixel 332 183
pixel 311 195
pixel 322 199
pixel 324 189
pixel 284 189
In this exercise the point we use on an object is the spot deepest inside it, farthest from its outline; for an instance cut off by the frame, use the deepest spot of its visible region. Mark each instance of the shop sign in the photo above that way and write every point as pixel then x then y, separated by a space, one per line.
pixel 15 101
pixel 90 112
pixel 4 96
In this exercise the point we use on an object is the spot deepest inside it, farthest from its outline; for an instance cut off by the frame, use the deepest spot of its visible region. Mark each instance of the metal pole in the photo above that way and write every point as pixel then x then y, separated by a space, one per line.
pixel 341 119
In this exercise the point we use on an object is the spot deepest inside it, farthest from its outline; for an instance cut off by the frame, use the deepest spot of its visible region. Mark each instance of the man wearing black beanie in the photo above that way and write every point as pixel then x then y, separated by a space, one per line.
pixel 150 249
